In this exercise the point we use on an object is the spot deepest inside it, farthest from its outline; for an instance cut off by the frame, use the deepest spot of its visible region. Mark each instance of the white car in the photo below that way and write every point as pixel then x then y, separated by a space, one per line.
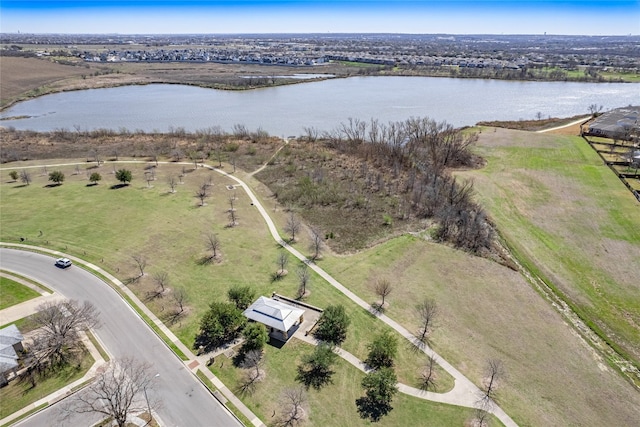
pixel 63 262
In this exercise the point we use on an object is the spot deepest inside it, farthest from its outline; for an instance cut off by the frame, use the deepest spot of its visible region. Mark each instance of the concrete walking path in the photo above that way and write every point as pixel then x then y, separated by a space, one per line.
pixel 66 390
pixel 464 393
pixel 192 363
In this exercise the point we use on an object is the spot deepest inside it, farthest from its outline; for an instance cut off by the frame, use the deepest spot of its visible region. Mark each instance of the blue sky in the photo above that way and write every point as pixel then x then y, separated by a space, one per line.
pixel 588 17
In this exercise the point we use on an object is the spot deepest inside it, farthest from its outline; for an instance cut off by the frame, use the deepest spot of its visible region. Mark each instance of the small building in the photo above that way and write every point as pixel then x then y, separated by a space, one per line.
pixel 10 346
pixel 281 319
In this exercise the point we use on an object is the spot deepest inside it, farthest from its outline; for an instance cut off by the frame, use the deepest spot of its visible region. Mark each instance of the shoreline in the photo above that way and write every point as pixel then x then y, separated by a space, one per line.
pixel 117 79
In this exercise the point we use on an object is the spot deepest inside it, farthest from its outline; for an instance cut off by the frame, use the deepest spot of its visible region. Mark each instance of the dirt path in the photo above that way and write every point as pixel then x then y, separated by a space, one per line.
pixel 574 123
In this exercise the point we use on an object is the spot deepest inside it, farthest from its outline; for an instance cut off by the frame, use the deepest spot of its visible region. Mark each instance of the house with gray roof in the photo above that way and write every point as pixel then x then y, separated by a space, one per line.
pixel 10 346
pixel 281 319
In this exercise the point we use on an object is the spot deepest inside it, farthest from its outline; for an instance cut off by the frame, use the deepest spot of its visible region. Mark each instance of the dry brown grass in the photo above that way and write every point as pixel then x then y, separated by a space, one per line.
pixel 490 311
pixel 20 75
pixel 23 78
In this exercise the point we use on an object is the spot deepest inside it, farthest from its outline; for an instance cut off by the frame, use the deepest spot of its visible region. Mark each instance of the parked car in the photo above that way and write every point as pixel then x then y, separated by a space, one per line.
pixel 63 262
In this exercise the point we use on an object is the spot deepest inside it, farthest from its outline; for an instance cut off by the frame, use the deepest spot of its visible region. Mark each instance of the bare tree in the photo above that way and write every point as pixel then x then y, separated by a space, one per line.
pixel 179 298
pixel 427 311
pixel 177 154
pixel 317 244
pixel 253 362
pixel 117 393
pixel 428 375
pixel 383 288
pixel 148 176
pixel 161 279
pixel 172 183
pixel 141 262
pixel 194 158
pixel 292 402
pixel 213 244
pixel 303 277
pixel 233 217
pixel 25 177
pixel 232 200
pixel 494 372
pixel 202 193
pixel 58 325
pixel 311 133
pixel 292 226
pixel 594 109
pixel 283 261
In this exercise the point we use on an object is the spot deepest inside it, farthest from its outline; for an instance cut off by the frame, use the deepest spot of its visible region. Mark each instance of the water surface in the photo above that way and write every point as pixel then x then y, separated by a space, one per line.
pixel 287 110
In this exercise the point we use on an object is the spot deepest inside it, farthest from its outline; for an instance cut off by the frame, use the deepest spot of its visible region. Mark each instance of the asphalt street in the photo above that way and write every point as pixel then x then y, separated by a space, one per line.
pixel 184 400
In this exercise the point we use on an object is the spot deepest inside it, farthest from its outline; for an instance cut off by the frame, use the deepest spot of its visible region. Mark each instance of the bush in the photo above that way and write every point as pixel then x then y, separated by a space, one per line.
pixel 123 175
pixel 255 336
pixel 332 326
pixel 57 177
pixel 219 325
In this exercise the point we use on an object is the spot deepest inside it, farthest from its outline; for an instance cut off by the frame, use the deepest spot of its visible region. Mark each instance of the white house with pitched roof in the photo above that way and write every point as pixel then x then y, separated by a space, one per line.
pixel 281 319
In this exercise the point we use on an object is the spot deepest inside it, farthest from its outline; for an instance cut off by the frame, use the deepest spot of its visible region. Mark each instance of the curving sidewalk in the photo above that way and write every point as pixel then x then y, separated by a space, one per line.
pixel 192 363
pixel 464 393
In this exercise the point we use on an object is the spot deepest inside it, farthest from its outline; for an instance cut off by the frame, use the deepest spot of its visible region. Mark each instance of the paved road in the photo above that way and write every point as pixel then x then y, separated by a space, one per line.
pixel 186 402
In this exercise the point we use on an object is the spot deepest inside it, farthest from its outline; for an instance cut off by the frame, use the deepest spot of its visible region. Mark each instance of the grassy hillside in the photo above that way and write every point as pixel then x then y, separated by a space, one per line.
pixel 571 221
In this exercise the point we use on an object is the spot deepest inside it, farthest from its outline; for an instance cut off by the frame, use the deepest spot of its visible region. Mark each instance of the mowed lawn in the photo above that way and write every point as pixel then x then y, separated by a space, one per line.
pixel 12 293
pixel 108 226
pixel 19 394
pixel 334 404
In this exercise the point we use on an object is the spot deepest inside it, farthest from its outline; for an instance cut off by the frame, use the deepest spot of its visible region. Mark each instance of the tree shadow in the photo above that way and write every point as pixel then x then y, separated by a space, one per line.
pixel 206 260
pixel 416 346
pixel 117 186
pixel 173 316
pixel 55 184
pixel 91 184
pixel 130 280
pixel 376 309
pixel 371 409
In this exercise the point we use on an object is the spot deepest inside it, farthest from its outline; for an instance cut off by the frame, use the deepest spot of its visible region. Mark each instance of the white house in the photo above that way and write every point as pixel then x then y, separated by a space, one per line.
pixel 281 319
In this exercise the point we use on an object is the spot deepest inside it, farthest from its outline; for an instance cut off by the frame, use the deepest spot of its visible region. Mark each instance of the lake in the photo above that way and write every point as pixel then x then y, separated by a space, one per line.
pixel 287 110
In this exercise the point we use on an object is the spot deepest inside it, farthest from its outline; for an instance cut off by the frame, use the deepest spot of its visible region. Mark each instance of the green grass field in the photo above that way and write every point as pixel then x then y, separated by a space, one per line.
pixel 12 293
pixel 569 215
pixel 107 226
pixel 335 403
pixel 16 395
pixel 486 310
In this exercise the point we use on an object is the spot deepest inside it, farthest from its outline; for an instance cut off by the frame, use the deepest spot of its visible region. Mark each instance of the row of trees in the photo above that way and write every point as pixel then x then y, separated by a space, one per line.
pixel 57 177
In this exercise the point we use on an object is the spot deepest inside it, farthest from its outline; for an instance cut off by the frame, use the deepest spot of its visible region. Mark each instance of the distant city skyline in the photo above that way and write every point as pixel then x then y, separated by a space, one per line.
pixel 567 17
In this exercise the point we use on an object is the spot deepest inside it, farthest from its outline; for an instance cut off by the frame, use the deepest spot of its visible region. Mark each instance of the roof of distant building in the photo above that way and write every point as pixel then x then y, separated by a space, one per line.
pixel 274 314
